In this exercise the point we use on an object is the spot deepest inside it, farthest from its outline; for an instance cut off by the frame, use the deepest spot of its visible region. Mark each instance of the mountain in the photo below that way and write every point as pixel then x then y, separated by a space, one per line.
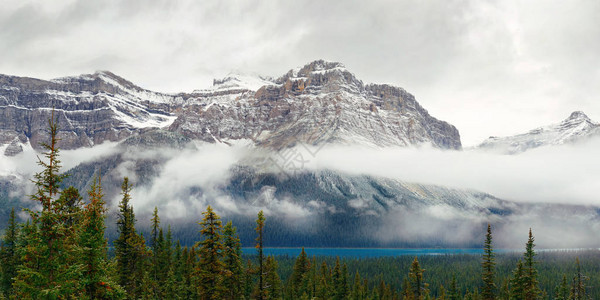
pixel 90 109
pixel 576 127
pixel 319 103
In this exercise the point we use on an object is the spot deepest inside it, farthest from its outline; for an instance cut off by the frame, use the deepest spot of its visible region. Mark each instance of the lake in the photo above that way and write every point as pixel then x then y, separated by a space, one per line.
pixel 360 252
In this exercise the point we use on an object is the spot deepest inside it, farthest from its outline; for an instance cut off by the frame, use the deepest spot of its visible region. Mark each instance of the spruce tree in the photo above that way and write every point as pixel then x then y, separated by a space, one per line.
pixel 419 287
pixel 154 245
pixel 561 292
pixel 94 247
pixel 232 254
pixel 298 280
pixel 578 286
pixel 531 285
pixel 130 248
pixel 272 280
pixel 260 289
pixel 453 293
pixel 488 265
pixel 210 253
pixel 50 269
pixel 8 254
pixel 517 283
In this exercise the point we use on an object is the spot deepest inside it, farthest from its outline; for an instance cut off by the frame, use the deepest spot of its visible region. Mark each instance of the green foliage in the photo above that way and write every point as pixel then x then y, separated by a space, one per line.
pixel 95 280
pixel 9 258
pixel 530 280
pixel 232 254
pixel 488 265
pixel 49 266
pixel 261 291
pixel 210 266
pixel 130 248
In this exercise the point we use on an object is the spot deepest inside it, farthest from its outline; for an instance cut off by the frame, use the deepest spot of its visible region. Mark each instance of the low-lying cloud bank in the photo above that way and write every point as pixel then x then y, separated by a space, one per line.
pixel 189 179
pixel 567 174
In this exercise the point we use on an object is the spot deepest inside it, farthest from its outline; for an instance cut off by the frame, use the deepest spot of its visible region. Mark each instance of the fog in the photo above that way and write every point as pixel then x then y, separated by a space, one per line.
pixel 188 180
pixel 558 174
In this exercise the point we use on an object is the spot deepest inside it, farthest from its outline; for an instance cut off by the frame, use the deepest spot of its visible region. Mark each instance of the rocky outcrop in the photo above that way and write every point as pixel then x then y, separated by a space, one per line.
pixel 319 103
pixel 90 109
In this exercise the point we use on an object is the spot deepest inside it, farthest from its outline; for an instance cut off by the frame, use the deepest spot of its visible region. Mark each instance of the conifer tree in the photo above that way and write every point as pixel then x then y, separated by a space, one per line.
pixel 453 293
pixel 130 248
pixel 8 254
pixel 340 281
pixel 154 245
pixel 488 265
pixel 232 254
pixel 210 253
pixel 578 286
pixel 356 293
pixel 248 280
pixel 561 292
pixel 517 283
pixel 272 280
pixel 419 287
pixel 49 269
pixel 260 225
pixel 94 247
pixel 531 285
pixel 324 282
pixel 298 280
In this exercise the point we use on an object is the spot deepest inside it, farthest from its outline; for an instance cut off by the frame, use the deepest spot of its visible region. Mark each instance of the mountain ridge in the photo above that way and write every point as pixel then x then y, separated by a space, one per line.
pixel 577 127
pixel 301 106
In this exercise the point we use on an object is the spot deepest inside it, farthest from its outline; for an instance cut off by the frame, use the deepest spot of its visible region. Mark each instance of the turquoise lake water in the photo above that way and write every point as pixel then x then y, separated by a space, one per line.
pixel 360 252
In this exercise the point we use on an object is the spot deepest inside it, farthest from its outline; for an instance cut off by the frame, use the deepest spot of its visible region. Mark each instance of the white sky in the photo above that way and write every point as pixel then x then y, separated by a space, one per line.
pixel 487 67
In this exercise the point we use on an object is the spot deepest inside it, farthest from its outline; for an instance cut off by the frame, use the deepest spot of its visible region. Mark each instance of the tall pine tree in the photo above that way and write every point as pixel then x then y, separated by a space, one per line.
pixel 210 267
pixel 488 275
pixel 49 268
pixel 261 292
pixel 130 247
pixel 232 254
pixel 532 290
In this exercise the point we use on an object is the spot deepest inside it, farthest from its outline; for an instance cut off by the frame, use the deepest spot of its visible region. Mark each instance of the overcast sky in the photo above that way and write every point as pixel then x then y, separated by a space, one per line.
pixel 487 67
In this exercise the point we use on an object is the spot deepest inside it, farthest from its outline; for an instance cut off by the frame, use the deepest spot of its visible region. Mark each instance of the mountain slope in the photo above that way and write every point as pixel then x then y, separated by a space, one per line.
pixel 575 128
pixel 319 103
pixel 90 109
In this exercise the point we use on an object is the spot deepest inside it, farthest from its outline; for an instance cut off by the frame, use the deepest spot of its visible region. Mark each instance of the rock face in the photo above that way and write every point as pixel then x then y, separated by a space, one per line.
pixel 574 128
pixel 319 103
pixel 90 109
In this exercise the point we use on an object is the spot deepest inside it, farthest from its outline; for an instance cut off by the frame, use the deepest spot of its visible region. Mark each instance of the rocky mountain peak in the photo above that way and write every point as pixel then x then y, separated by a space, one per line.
pixel 576 127
pixel 578 115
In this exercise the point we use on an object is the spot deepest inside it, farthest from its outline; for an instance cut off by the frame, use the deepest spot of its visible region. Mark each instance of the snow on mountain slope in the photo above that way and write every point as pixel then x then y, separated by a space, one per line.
pixel 576 127
pixel 90 109
pixel 319 103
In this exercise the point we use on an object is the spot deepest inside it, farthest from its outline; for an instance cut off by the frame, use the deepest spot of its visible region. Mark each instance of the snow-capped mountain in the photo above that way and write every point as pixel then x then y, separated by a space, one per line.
pixel 321 102
pixel 575 128
pixel 90 109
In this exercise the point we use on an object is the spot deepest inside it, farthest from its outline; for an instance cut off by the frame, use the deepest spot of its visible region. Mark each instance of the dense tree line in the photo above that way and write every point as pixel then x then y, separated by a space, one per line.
pixel 61 252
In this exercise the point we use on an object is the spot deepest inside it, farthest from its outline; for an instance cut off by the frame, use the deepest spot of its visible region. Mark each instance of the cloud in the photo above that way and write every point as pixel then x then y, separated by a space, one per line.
pixel 568 174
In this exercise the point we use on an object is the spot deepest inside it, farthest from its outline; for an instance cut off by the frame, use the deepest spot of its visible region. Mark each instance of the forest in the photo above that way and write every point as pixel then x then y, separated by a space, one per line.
pixel 61 252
